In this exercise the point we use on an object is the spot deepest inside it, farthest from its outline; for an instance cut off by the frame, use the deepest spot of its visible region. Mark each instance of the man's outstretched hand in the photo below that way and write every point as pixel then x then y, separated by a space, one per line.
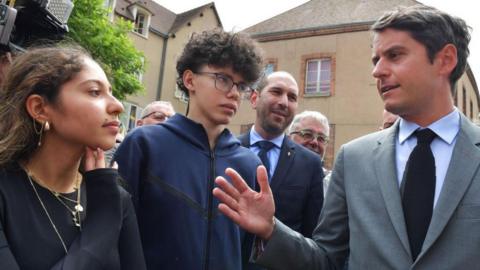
pixel 251 210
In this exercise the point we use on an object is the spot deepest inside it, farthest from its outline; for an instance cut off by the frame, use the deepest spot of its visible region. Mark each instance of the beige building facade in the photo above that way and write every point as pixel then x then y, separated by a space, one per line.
pixel 328 51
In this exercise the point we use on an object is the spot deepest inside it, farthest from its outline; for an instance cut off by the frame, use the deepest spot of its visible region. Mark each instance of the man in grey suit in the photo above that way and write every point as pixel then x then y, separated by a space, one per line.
pixel 419 53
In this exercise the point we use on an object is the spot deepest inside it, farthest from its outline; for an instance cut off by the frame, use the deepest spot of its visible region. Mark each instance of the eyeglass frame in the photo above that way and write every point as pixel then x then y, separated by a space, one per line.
pixel 323 138
pixel 238 84
pixel 154 112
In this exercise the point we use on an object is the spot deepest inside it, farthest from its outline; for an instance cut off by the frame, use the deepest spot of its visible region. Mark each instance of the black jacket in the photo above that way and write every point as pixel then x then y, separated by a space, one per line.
pixel 109 238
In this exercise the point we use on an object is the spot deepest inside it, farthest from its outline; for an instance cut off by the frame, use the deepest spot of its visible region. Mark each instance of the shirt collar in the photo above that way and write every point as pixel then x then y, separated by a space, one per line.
pixel 446 127
pixel 255 137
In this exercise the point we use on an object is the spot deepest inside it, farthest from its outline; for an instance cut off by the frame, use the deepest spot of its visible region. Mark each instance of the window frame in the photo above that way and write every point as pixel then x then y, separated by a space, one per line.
pixel 139 11
pixel 320 87
pixel 130 115
pixel 306 59
pixel 273 62
pixel 139 25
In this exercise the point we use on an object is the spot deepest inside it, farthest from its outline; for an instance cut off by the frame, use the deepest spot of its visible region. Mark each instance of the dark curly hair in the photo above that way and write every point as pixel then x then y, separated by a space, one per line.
pixel 221 49
pixel 432 28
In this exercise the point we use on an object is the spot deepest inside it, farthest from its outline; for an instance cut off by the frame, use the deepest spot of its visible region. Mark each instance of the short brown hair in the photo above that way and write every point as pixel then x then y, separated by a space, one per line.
pixel 432 28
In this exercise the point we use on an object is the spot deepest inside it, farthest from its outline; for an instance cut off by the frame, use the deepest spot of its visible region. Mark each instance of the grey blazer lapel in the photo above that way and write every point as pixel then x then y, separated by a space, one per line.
pixel 386 174
pixel 463 166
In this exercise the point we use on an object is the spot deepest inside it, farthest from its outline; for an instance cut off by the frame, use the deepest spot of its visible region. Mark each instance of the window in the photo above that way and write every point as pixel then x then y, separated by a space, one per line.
pixel 132 118
pixel 269 69
pixel 110 6
pixel 318 77
pixel 140 23
pixel 142 16
pixel 130 115
pixel 271 66
pixel 464 100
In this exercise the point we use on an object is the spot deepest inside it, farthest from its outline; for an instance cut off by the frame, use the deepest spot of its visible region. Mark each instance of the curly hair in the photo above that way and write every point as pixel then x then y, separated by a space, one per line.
pixel 432 28
pixel 221 49
pixel 39 71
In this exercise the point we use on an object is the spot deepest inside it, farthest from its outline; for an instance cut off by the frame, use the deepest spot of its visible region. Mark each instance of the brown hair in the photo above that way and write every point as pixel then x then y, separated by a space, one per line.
pixel 432 28
pixel 39 71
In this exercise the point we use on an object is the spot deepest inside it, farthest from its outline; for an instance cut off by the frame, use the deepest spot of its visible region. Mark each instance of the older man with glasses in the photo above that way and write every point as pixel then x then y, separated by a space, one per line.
pixel 156 112
pixel 311 129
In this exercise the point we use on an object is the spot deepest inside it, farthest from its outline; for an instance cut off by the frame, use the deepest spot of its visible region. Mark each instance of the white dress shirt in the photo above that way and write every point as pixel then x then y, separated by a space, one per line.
pixel 442 146
pixel 274 153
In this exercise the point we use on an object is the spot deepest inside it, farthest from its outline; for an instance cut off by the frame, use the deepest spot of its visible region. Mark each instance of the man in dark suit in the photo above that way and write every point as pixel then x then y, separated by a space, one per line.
pixel 296 173
pixel 406 197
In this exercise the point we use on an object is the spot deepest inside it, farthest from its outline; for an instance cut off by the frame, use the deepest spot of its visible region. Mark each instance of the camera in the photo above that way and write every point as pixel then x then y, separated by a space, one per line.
pixel 22 22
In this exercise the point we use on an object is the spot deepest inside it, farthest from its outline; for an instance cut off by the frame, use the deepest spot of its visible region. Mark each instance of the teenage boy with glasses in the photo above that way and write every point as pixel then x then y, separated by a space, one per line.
pixel 170 168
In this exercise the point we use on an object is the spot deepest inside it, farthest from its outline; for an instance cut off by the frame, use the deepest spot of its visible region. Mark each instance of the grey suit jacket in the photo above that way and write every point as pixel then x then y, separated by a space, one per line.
pixel 363 217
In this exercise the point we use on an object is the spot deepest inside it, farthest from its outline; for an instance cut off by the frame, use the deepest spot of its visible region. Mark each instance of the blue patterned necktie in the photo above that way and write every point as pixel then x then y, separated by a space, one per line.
pixel 265 146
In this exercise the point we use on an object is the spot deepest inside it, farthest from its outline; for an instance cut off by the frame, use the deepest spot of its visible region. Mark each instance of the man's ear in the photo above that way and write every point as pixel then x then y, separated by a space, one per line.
pixel 254 98
pixel 447 59
pixel 188 80
pixel 37 108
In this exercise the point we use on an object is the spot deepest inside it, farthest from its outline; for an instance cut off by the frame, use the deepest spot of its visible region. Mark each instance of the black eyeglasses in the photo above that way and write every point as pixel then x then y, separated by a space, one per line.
pixel 225 83
pixel 310 135
pixel 159 116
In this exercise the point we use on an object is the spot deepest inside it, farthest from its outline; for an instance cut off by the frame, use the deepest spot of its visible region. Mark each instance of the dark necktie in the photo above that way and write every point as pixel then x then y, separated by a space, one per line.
pixel 265 146
pixel 419 190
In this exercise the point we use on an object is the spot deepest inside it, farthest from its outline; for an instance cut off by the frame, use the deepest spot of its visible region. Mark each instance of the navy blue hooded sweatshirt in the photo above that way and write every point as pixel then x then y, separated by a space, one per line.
pixel 170 170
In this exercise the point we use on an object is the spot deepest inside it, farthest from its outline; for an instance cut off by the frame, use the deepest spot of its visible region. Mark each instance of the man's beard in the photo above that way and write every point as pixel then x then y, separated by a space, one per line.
pixel 275 128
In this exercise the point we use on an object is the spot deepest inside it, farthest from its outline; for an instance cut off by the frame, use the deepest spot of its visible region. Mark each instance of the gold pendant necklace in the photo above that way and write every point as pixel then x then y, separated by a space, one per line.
pixel 77 209
pixel 48 215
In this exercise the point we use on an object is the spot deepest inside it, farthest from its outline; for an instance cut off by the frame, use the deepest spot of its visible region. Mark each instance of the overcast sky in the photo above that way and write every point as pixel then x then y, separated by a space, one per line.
pixel 238 15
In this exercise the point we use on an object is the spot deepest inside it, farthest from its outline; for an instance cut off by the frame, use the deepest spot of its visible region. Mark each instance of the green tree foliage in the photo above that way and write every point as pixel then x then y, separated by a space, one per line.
pixel 109 44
